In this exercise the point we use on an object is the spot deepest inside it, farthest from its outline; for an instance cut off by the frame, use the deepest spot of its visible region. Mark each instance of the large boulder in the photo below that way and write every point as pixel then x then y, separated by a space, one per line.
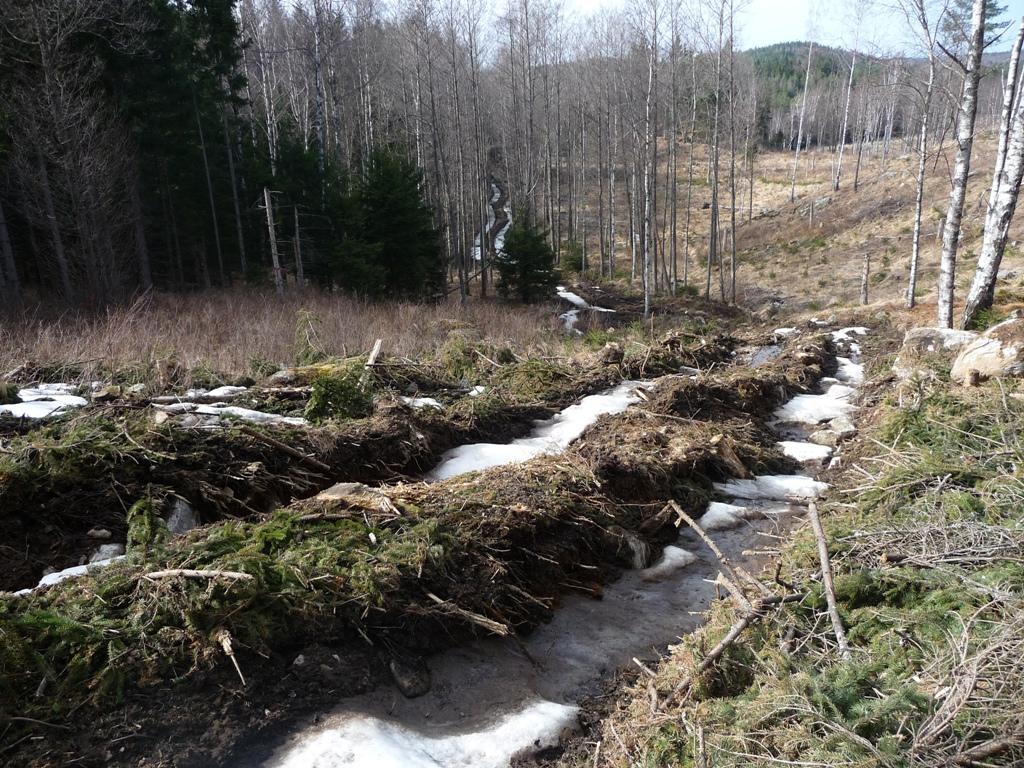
pixel 923 346
pixel 997 353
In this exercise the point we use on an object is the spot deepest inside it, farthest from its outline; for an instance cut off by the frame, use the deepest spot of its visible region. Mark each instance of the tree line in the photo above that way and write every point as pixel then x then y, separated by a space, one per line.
pixel 186 144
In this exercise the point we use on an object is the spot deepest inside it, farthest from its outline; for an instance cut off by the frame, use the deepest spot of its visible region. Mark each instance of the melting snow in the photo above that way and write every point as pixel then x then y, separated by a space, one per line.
pixel 805 451
pixel 246 414
pixel 575 299
pixel 784 333
pixel 720 516
pixel 422 402
pixel 813 409
pixel 672 559
pixel 550 436
pixel 68 573
pixel 478 390
pixel 44 400
pixel 849 371
pixel 846 334
pixel 774 488
pixel 368 742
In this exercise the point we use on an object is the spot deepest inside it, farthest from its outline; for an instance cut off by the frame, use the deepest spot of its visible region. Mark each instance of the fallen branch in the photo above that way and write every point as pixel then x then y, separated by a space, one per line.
pixel 494 626
pixel 284 448
pixel 188 573
pixel 744 621
pixel 374 353
pixel 734 571
pixel 826 580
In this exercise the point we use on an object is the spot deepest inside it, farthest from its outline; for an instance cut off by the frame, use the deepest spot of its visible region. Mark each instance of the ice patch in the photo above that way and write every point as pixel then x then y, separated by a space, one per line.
pixel 774 488
pixel 804 451
pixel 550 435
pixel 368 742
pixel 672 559
pixel 422 402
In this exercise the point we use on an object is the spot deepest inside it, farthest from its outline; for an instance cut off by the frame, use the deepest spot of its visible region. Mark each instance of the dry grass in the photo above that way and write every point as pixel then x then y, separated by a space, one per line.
pixel 227 331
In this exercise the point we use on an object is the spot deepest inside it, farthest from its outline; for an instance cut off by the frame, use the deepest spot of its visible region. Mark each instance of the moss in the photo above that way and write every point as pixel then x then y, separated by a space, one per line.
pixel 343 393
pixel 533 381
pixel 147 530
pixel 8 393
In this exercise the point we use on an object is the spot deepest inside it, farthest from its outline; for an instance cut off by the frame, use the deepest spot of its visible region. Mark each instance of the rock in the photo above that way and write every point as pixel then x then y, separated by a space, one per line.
pixel 611 354
pixel 300 661
pixel 282 377
pixel 411 676
pixel 182 518
pixel 106 393
pixel 842 426
pixel 921 343
pixel 824 437
pixel 98 533
pixel 106 551
pixel 159 417
pixel 997 353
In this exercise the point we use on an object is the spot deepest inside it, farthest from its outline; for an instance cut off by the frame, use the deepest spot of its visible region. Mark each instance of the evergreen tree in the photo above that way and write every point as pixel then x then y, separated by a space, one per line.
pixel 395 248
pixel 526 266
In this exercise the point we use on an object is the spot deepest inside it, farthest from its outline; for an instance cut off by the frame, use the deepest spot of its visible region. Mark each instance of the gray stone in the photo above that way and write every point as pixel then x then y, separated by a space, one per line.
pixel 182 518
pixel 997 353
pixel 106 551
pixel 842 426
pixel 824 437
pixel 921 344
pixel 411 676
pixel 98 533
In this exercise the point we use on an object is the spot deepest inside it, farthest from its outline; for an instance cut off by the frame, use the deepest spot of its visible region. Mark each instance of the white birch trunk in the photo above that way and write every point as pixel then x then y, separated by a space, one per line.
pixel 965 142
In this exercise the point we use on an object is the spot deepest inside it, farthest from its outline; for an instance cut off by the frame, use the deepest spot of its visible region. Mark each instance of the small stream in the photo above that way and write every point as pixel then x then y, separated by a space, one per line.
pixel 499 698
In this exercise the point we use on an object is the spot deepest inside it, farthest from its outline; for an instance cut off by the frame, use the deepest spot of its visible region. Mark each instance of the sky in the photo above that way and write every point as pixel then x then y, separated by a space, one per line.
pixel 763 22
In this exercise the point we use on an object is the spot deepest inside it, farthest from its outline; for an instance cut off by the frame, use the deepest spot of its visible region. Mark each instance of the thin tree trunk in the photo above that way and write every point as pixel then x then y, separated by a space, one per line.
pixel 243 261
pixel 9 280
pixel 965 143
pixel 274 259
pixel 922 159
pixel 209 191
pixel 1003 197
pixel 800 124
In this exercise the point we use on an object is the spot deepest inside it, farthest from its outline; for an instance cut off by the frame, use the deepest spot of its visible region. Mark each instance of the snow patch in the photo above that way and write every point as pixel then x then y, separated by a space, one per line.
pixel 814 409
pixel 720 516
pixel 573 298
pixel 246 414
pixel 849 371
pixel 422 402
pixel 43 400
pixel 672 559
pixel 846 334
pixel 805 451
pixel 550 435
pixel 369 742
pixel 774 488
pixel 68 573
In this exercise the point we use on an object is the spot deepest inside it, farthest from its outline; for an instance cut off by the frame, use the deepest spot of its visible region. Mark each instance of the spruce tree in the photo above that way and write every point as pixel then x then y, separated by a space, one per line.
pixel 397 247
pixel 526 266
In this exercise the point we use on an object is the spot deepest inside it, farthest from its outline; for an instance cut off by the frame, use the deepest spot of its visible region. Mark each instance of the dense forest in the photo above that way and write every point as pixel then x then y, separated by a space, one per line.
pixel 182 145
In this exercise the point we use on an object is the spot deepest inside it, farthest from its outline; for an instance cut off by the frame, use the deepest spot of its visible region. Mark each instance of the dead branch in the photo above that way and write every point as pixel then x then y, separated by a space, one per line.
pixel 294 453
pixel 489 624
pixel 188 573
pixel 826 579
